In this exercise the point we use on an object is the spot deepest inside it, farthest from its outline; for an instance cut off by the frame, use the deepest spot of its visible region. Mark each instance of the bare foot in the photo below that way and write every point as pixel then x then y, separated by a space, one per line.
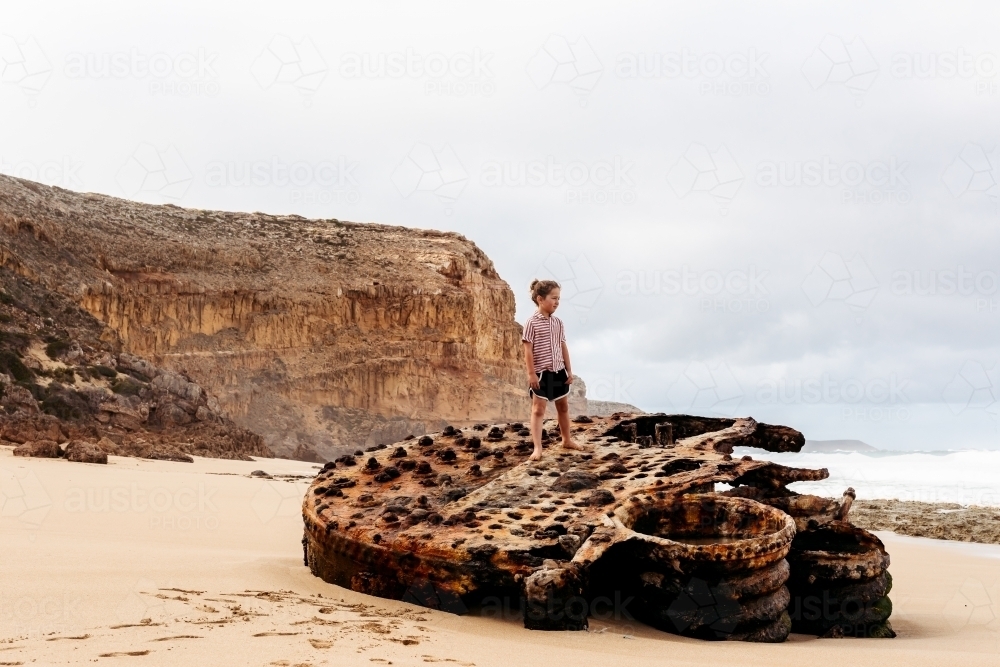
pixel 535 456
pixel 569 444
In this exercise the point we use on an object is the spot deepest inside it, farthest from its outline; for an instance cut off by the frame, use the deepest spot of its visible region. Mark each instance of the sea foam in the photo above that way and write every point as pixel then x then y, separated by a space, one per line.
pixel 967 477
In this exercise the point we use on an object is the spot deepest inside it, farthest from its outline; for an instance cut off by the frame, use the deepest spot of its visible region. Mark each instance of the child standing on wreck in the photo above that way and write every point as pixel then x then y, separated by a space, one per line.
pixel 547 363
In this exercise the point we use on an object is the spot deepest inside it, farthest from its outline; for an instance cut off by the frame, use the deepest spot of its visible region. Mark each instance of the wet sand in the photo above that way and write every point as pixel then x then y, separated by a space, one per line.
pixel 162 563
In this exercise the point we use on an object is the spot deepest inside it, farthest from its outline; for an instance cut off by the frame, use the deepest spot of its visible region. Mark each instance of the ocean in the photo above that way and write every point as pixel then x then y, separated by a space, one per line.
pixel 966 477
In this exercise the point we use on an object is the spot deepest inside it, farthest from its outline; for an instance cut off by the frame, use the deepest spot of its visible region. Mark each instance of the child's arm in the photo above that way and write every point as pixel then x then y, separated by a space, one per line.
pixel 569 372
pixel 529 362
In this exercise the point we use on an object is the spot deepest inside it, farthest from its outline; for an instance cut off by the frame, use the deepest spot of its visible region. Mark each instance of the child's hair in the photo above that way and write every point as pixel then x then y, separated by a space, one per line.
pixel 541 289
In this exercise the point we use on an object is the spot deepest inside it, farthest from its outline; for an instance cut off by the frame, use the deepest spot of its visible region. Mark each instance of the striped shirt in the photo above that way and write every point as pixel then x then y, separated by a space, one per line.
pixel 546 336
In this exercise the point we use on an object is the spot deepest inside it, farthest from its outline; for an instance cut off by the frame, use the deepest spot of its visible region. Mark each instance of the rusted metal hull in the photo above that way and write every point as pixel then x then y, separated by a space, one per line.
pixel 841 583
pixel 462 516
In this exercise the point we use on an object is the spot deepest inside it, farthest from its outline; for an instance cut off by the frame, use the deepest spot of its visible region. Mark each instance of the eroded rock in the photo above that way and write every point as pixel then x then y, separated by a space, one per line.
pixel 46 449
pixel 63 377
pixel 83 451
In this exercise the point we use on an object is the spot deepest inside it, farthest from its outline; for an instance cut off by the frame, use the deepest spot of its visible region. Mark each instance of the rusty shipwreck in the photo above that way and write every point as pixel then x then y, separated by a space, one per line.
pixel 460 516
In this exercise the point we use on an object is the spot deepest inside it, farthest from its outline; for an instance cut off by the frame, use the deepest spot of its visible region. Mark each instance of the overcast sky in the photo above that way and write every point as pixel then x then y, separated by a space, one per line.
pixel 768 209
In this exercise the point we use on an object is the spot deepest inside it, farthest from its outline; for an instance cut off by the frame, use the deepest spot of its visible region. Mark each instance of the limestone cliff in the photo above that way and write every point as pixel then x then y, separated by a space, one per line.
pixel 65 380
pixel 318 334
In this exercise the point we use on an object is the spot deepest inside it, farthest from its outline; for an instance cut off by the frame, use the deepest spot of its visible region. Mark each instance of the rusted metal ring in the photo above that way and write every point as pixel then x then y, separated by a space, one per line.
pixel 751 535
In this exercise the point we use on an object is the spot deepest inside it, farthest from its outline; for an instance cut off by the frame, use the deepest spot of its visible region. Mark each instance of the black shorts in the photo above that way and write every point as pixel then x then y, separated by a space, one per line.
pixel 551 385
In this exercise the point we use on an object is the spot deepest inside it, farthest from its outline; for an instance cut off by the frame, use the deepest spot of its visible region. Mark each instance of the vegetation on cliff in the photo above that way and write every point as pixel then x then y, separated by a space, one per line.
pixel 65 380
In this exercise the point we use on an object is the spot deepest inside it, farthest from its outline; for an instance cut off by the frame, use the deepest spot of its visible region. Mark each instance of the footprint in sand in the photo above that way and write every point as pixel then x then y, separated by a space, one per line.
pixel 144 623
pixel 431 658
pixel 406 641
pixel 315 620
pixel 320 643
pixel 181 590
pixel 218 621
pixel 166 639
pixel 118 654
pixel 52 639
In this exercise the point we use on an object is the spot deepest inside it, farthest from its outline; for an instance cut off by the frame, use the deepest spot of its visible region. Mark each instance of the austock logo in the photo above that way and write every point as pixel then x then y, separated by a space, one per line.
pixel 836 62
pixel 833 279
pixel 610 388
pixel 731 74
pixel 981 285
pixel 39 615
pixel 701 605
pixel 734 291
pixel 325 181
pixel 711 172
pixel 597 182
pixel 561 62
pixel 155 173
pixel 974 605
pixel 574 608
pixel 456 74
pixel 437 172
pixel 184 508
pixel 974 387
pixel 974 170
pixel 139 605
pixel 946 283
pixel 278 499
pixel 580 286
pixel 704 388
pixel 63 172
pixel 23 497
pixel 874 182
pixel 837 615
pixel 182 74
pixel 290 63
pixel 874 399
pixel 428 594
pixel 825 389
pixel 24 64
pixel 946 65
pixel 506 607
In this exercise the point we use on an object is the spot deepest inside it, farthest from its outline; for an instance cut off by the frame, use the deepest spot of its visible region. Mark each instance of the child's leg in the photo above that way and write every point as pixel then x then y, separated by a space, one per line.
pixel 538 406
pixel 562 410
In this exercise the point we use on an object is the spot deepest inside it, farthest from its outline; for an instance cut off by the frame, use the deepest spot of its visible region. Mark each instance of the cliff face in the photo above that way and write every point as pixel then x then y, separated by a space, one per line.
pixel 316 334
pixel 64 379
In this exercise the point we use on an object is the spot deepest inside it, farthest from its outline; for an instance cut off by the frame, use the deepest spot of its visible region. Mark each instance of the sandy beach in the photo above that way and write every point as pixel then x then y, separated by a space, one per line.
pixel 155 562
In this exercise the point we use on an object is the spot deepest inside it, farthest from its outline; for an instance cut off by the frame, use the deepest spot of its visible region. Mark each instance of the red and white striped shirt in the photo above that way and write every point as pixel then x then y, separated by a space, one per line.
pixel 546 336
